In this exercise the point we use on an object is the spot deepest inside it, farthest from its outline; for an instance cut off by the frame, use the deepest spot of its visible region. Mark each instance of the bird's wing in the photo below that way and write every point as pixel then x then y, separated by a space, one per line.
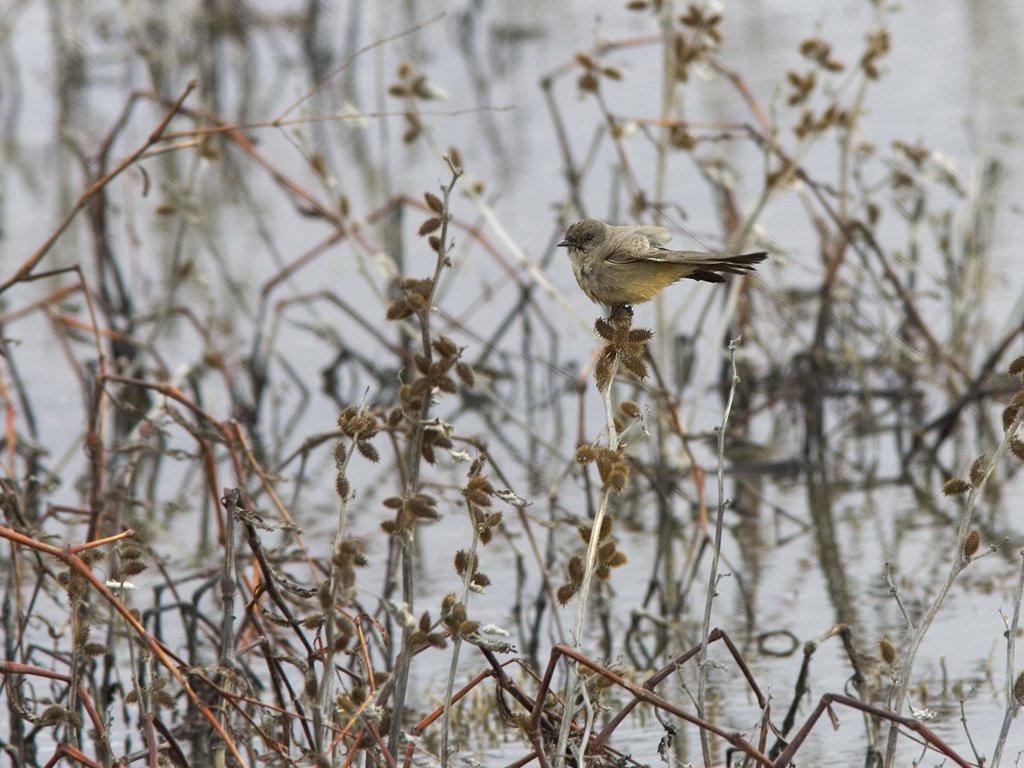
pixel 656 236
pixel 627 244
pixel 684 257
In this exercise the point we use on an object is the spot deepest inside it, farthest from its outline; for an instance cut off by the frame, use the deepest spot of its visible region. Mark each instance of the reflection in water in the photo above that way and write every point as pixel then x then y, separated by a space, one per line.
pixel 272 255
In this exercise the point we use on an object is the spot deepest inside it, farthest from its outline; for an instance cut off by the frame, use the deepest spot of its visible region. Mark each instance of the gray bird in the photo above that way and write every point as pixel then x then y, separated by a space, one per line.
pixel 629 265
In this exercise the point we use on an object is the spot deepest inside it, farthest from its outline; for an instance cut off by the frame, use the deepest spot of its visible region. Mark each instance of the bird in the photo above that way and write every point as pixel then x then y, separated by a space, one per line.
pixel 625 265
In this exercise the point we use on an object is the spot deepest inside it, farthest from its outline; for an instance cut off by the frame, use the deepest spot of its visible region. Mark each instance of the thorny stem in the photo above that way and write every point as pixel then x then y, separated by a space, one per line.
pixel 902 676
pixel 1013 704
pixel 572 683
pixel 702 666
pixel 457 639
pixel 325 690
pixel 413 481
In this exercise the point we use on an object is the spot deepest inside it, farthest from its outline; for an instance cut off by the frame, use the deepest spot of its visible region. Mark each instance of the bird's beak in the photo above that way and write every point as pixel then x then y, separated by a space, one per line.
pixel 563 244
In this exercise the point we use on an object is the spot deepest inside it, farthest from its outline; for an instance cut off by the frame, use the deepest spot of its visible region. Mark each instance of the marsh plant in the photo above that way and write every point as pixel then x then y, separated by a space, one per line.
pixel 309 461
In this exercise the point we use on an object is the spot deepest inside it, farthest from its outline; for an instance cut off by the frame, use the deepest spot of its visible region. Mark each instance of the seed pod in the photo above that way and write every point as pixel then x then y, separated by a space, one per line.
pixel 888 651
pixel 956 486
pixel 971 543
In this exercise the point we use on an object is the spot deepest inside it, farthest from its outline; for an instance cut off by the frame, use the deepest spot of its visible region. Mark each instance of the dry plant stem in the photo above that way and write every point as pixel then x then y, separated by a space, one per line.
pixel 664 331
pixel 457 641
pixel 672 668
pixel 534 270
pixel 25 270
pixel 280 119
pixel 415 459
pixel 641 693
pixel 174 666
pixel 19 669
pixel 894 592
pixel 572 682
pixel 702 666
pixel 324 705
pixel 1013 704
pixel 898 694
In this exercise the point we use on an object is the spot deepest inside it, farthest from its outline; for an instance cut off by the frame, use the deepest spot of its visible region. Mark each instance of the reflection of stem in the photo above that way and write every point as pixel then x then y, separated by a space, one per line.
pixel 702 667
pixel 572 679
pixel 902 675
pixel 1013 704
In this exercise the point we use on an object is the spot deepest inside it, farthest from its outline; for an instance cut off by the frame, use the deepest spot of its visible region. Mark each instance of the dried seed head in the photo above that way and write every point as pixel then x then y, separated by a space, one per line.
pixel 1017 448
pixel 971 543
pixel 977 471
pixel 92 555
pixel 129 551
pixel 448 603
pixel 575 570
pixel 584 531
pixel 1017 365
pixel 1009 415
pixel 618 477
pixel 417 302
pixel 445 347
pixel 430 225
pixel 565 593
pixel 457 615
pixel 956 486
pixel 888 651
pixel 618 559
pixel 133 568
pixel 342 486
pixel 587 82
pixel 465 374
pixel 603 369
pixel 53 715
pixel 433 202
pixel 95 649
pixel 479 490
pixel 1018 690
pixel 365 447
pixel 630 409
pixel 399 309
pixel 585 60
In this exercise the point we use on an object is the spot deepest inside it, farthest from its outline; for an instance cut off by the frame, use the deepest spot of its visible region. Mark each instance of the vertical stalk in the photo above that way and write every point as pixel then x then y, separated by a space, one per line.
pixel 702 666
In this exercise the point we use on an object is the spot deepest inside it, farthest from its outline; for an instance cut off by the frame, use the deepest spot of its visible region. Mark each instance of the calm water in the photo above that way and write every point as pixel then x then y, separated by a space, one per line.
pixel 210 231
